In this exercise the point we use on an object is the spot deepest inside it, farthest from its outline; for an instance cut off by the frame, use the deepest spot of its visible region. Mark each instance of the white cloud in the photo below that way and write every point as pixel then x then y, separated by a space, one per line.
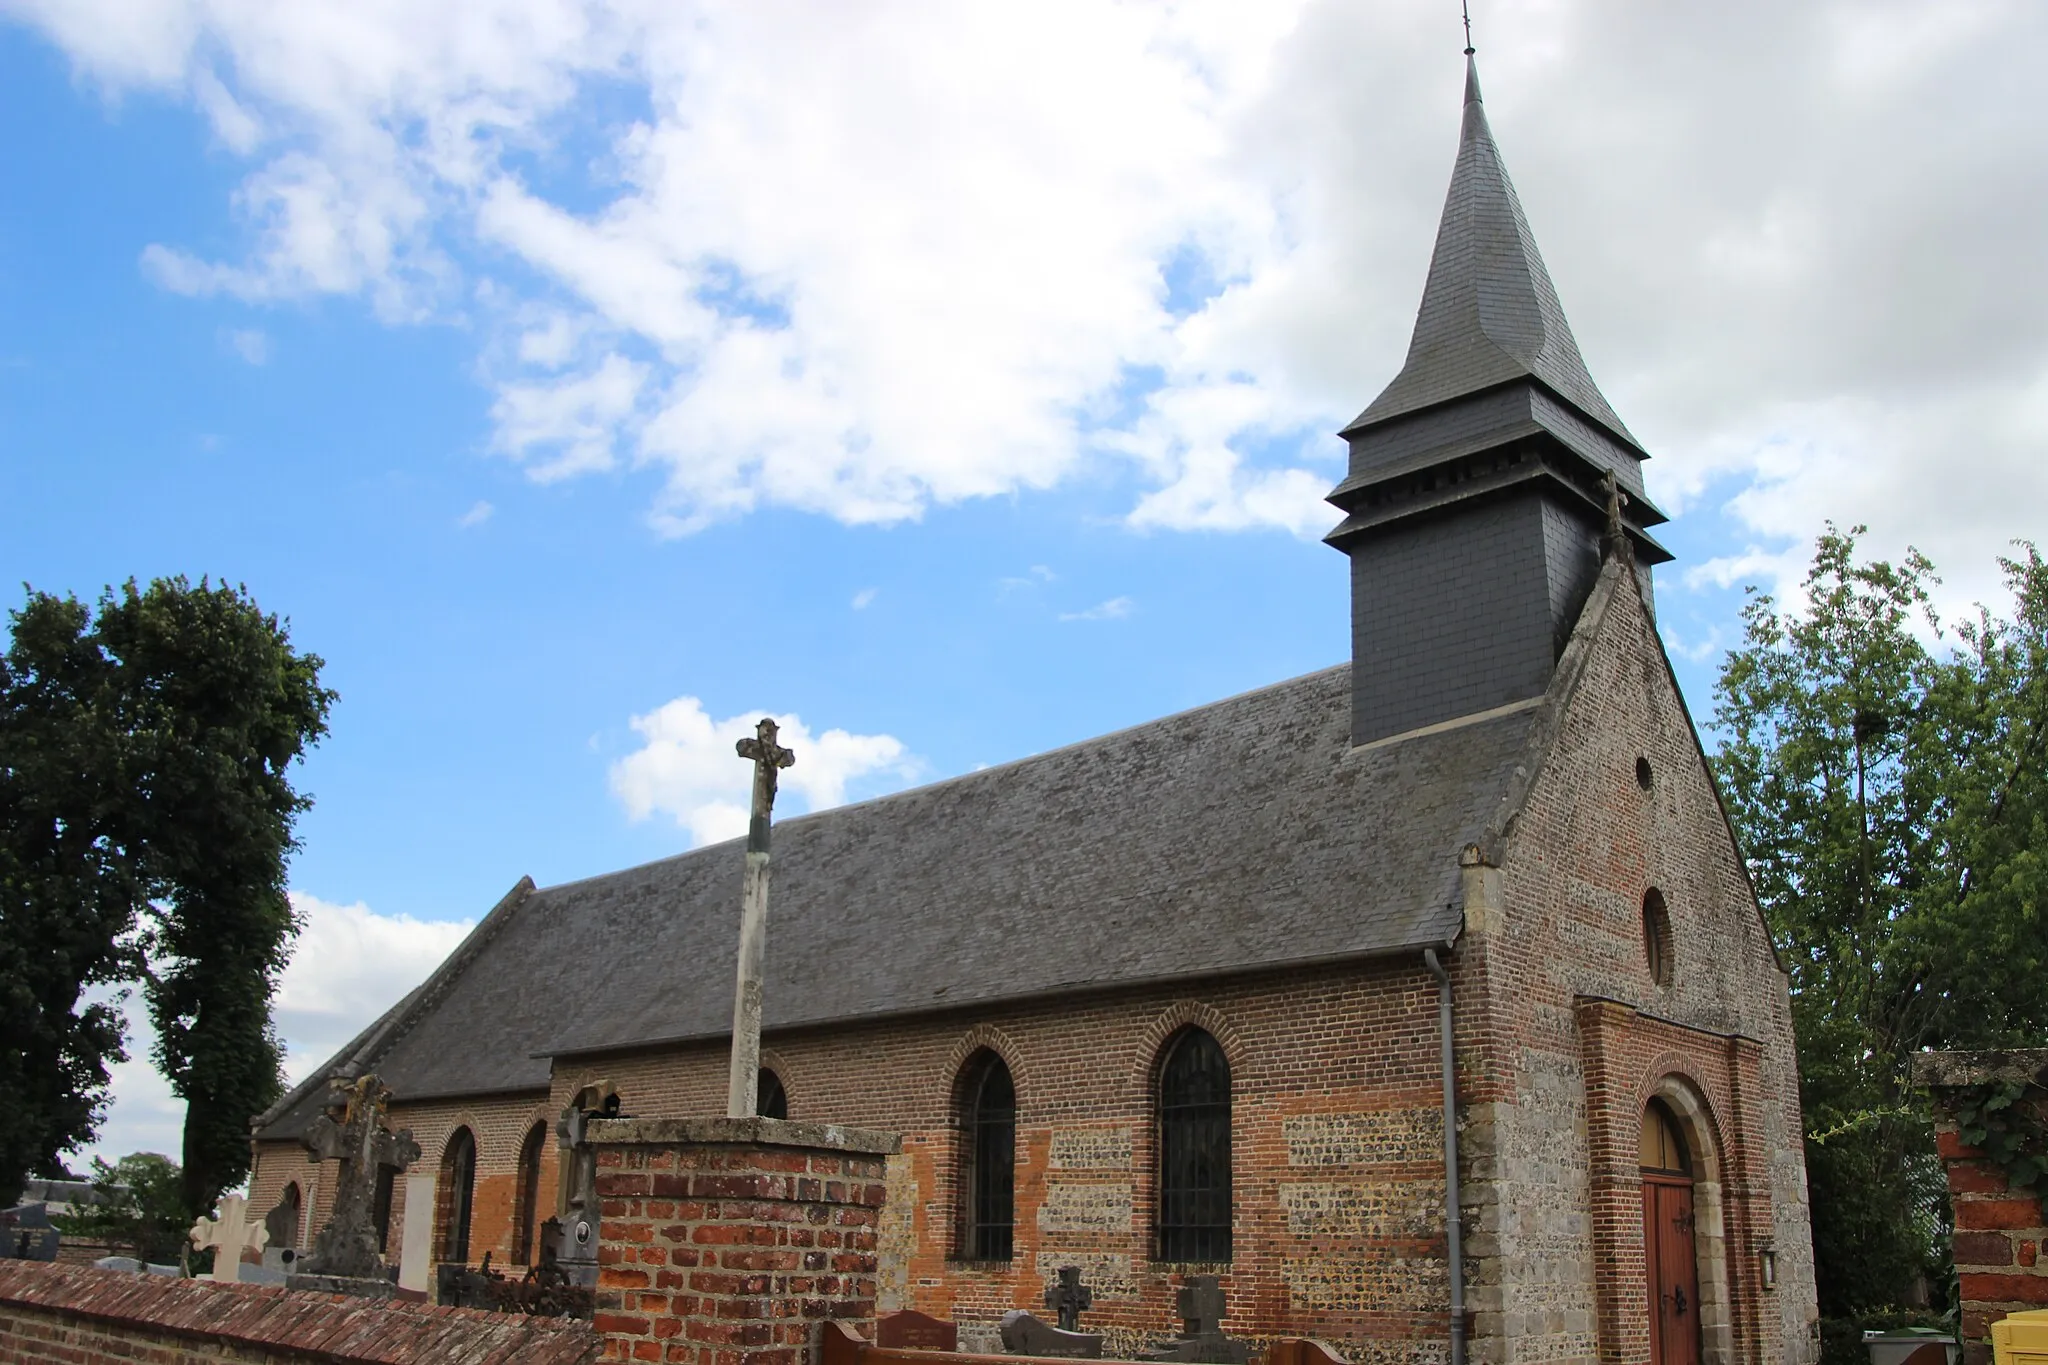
pixel 686 768
pixel 865 598
pixel 250 343
pixel 349 965
pixel 479 513
pixel 863 260
pixel 1115 609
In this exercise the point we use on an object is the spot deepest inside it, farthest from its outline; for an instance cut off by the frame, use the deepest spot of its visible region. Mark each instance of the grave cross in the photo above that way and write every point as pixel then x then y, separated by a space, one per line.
pixel 743 1081
pixel 228 1232
pixel 353 1132
pixel 1069 1298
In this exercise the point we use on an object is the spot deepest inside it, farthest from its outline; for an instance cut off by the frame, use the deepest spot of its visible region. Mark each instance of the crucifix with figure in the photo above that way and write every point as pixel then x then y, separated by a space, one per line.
pixel 769 758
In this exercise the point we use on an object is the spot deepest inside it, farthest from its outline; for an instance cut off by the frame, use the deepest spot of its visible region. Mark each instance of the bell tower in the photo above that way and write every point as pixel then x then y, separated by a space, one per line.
pixel 1477 494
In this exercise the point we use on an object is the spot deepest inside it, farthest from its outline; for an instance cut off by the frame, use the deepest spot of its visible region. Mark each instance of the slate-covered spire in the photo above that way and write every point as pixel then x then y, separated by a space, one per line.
pixel 1489 312
pixel 1477 496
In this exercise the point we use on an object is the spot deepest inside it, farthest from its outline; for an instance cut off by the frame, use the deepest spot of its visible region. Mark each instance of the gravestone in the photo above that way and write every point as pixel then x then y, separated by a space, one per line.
pixel 1067 1298
pixel 26 1234
pixel 1202 1342
pixel 1026 1334
pixel 353 1132
pixel 911 1330
pixel 229 1234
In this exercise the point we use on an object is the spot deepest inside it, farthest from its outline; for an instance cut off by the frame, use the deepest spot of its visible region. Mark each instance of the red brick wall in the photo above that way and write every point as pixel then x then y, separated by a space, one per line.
pixel 86 1316
pixel 727 1241
pixel 2001 1236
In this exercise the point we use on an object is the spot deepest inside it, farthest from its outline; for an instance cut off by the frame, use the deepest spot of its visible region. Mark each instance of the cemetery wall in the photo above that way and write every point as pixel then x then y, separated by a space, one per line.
pixel 87 1316
pixel 1579 1035
pixel 2001 1234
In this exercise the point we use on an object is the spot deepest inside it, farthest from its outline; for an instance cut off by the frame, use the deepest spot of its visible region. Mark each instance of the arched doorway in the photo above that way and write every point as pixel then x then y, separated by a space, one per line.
pixel 1670 1264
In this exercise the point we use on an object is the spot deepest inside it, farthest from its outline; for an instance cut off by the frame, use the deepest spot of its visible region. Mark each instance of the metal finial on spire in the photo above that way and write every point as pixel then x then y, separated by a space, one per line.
pixel 1465 8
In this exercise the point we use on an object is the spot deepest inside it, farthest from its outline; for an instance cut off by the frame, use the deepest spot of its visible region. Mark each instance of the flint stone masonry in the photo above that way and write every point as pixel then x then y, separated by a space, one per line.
pixel 88 1316
pixel 1072 1207
pixel 1090 1149
pixel 735 1238
pixel 1349 1209
pixel 1364 1139
pixel 1365 1282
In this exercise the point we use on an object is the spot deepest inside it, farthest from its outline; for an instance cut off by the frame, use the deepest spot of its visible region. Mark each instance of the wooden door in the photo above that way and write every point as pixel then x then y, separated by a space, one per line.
pixel 1673 1274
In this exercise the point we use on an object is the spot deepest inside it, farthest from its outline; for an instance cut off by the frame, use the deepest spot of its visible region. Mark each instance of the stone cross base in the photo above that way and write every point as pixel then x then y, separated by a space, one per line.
pixel 726 1237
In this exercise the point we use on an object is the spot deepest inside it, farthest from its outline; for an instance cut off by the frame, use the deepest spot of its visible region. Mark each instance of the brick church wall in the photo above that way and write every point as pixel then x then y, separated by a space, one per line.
pixel 1553 932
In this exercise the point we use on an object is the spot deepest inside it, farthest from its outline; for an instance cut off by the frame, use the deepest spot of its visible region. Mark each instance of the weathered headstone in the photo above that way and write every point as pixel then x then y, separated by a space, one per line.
pixel 26 1234
pixel 353 1132
pixel 911 1330
pixel 416 1244
pixel 1026 1334
pixel 1202 1305
pixel 229 1234
pixel 1067 1298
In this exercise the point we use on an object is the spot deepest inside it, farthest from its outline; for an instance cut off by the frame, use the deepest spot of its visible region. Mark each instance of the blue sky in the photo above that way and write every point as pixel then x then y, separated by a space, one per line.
pixel 969 419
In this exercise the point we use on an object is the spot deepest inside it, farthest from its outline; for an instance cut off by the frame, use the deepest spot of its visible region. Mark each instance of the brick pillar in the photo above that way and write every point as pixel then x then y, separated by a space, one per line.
pixel 2001 1242
pixel 733 1240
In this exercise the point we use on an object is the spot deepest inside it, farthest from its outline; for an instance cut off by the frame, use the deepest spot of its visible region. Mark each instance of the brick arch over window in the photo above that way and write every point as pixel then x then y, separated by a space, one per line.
pixel 983 1037
pixel 1162 1027
pixel 775 1064
pixel 455 1195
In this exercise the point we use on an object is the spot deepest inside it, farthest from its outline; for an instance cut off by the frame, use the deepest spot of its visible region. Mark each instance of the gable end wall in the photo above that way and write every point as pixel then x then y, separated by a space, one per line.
pixel 1549 1218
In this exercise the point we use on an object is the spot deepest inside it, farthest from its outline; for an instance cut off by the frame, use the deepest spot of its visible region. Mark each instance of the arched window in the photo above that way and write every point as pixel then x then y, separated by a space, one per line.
pixel 989 1175
pixel 1657 937
pixel 292 1202
pixel 1194 1150
pixel 771 1101
pixel 458 1186
pixel 528 1199
pixel 1663 1145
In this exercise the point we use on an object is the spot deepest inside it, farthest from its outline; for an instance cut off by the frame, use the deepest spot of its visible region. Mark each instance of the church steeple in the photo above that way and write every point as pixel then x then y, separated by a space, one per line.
pixel 1489 312
pixel 1475 494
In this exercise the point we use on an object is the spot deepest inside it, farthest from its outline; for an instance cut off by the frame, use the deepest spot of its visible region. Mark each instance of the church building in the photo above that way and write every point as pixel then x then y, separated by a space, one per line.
pixel 1234 991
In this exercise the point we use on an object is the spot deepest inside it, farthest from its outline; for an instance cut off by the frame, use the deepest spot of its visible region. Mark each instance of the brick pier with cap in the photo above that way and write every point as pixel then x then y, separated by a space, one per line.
pixel 728 1240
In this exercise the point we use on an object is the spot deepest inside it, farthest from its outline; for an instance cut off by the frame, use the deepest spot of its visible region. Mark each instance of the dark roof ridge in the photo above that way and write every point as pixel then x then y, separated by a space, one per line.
pixel 992 769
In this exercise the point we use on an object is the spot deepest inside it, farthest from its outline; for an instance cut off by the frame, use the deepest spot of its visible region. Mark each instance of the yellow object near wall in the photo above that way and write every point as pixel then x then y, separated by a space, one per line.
pixel 2021 1338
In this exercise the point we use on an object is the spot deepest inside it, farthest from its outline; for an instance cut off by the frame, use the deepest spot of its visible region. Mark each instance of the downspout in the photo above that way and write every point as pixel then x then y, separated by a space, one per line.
pixel 1453 1233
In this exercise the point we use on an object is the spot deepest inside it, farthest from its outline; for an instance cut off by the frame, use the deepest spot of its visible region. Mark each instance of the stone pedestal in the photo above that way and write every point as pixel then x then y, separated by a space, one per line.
pixel 728 1239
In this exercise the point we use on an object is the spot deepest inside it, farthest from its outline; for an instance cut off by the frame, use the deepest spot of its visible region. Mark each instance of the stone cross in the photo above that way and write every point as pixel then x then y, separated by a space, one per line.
pixel 768 757
pixel 1068 1298
pixel 352 1131
pixel 228 1233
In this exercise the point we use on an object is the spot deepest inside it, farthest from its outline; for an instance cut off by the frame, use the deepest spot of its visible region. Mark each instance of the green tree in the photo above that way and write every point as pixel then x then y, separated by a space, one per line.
pixel 1887 781
pixel 160 727
pixel 139 1207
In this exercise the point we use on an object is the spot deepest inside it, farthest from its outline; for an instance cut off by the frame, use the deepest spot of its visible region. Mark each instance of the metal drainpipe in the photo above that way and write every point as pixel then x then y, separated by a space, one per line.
pixel 1454 1234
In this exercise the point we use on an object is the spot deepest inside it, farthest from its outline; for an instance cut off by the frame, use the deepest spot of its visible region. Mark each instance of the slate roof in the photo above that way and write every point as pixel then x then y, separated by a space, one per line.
pixel 1489 314
pixel 1240 836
